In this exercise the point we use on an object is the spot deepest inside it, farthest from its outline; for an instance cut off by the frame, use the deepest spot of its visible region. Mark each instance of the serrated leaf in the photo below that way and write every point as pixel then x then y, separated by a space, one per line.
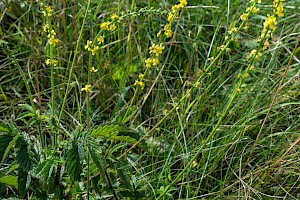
pixel 23 182
pixel 45 169
pixel 112 132
pixel 23 156
pixel 27 107
pixel 74 156
pixel 9 180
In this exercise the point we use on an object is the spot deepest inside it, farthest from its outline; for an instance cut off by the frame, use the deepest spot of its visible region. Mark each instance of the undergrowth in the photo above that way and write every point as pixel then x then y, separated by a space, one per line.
pixel 149 99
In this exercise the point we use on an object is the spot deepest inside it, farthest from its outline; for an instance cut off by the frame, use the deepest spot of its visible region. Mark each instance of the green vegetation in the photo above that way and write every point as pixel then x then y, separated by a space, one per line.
pixel 148 99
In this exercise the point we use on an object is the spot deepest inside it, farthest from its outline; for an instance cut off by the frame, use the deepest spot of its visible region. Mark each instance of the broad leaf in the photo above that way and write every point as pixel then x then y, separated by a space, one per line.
pixel 9 180
pixel 74 156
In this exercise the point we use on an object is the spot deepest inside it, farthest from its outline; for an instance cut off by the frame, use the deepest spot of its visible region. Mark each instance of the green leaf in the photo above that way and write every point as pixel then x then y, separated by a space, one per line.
pixel 9 147
pixel 115 132
pixel 45 169
pixel 74 156
pixel 9 180
pixel 27 107
pixel 129 112
pixel 4 143
pixel 23 182
pixel 23 155
pixel 3 129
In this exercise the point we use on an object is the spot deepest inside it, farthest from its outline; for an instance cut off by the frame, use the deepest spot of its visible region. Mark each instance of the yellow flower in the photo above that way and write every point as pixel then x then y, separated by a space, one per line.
pixel 194 164
pixel 114 17
pixel 139 83
pixel 112 27
pixel 155 61
pixel 156 49
pixel 94 50
pixel 45 27
pixel 88 45
pixel 244 16
pixel 254 54
pixel 270 22
pixel 232 30
pixel 183 3
pixel 266 45
pixel 51 34
pixel 255 10
pixel 100 39
pixel 148 62
pixel 279 10
pixel 170 17
pixel 53 41
pixel 105 26
pixel 47 11
pixel 141 76
pixel 94 70
pixel 175 8
pixel 87 88
pixel 211 58
pixel 168 33
pixel 51 62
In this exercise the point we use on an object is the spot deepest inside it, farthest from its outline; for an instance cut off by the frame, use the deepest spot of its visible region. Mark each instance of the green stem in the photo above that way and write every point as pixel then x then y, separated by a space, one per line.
pixel 73 62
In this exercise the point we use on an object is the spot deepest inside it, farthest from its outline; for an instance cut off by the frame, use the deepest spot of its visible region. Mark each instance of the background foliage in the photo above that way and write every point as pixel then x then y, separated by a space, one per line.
pixel 58 142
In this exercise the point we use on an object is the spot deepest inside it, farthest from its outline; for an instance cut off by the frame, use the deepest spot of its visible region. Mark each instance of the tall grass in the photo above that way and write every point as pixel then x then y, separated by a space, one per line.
pixel 116 103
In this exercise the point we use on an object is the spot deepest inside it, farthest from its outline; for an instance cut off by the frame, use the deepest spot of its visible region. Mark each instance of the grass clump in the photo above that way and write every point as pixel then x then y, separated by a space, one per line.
pixel 149 100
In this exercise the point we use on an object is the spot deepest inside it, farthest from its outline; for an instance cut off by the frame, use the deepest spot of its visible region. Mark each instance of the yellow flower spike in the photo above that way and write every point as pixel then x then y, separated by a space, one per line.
pixel 94 70
pixel 88 44
pixel 47 11
pixel 100 39
pixel 114 17
pixel 105 26
pixel 87 88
